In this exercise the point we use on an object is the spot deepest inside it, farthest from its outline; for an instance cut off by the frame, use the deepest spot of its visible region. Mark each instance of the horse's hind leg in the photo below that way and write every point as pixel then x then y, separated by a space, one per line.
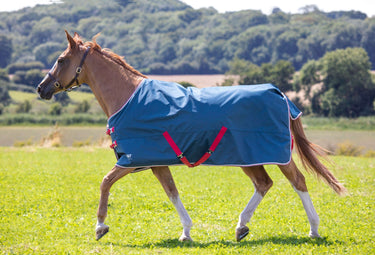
pixel 166 180
pixel 262 183
pixel 114 175
pixel 297 180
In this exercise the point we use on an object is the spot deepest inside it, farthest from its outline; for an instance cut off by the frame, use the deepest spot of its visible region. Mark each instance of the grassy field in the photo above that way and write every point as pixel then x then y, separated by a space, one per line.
pixel 49 197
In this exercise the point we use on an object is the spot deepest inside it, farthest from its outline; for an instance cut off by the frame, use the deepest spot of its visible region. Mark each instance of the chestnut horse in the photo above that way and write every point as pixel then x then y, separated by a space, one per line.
pixel 113 82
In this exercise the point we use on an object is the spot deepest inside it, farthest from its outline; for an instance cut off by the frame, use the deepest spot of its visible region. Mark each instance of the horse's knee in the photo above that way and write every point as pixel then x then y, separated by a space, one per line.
pixel 264 186
pixel 300 182
pixel 261 180
pixel 106 184
pixel 295 177
pixel 269 184
pixel 165 178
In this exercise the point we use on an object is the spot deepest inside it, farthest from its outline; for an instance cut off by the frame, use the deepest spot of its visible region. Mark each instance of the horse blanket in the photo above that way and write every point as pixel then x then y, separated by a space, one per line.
pixel 237 126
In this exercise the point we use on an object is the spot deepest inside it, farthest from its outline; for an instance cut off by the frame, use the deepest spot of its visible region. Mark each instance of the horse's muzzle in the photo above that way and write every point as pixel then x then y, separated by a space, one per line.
pixel 45 93
pixel 45 88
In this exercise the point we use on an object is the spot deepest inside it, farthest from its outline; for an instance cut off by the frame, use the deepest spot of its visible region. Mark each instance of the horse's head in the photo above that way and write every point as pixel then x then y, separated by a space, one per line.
pixel 65 73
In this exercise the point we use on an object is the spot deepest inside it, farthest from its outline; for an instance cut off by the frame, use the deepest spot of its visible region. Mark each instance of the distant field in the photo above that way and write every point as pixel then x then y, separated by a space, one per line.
pixel 326 138
pixel 49 197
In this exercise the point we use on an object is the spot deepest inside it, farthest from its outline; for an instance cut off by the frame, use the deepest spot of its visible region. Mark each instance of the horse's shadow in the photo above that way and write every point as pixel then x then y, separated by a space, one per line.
pixel 280 240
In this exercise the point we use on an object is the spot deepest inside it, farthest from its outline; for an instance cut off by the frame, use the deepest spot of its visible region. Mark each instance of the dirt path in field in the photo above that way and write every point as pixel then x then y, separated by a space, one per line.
pixel 200 81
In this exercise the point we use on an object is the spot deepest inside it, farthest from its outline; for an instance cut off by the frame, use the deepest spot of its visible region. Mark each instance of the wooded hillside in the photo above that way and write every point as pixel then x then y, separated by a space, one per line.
pixel 170 37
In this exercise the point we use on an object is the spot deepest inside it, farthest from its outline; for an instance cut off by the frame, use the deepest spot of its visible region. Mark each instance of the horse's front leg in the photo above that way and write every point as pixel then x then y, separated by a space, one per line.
pixel 114 175
pixel 166 180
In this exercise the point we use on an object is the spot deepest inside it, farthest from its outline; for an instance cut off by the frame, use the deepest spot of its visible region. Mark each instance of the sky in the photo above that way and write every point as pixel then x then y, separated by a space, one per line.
pixel 266 6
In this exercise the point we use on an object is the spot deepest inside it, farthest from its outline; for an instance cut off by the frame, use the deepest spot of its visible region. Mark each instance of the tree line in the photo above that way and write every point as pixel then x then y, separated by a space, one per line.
pixel 168 36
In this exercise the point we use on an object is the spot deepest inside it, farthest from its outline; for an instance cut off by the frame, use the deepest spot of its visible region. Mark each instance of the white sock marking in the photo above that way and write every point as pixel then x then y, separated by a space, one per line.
pixel 310 211
pixel 184 216
pixel 247 213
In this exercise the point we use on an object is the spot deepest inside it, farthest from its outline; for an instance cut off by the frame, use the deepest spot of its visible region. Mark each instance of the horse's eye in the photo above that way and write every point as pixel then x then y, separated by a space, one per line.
pixel 60 60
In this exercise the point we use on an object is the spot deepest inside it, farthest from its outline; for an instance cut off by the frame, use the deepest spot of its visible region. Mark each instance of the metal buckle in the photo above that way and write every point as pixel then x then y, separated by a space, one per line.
pixel 79 70
pixel 180 156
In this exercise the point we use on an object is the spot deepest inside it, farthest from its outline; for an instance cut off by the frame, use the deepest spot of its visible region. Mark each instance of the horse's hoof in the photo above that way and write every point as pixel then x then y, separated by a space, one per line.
pixel 241 232
pixel 101 231
pixel 314 235
pixel 184 238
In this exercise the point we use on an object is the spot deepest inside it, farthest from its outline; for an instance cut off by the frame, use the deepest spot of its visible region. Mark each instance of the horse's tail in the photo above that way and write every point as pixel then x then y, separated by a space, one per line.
pixel 308 153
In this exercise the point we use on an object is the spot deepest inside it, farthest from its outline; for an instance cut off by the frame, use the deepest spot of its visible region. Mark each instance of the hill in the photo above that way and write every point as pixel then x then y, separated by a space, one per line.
pixel 170 37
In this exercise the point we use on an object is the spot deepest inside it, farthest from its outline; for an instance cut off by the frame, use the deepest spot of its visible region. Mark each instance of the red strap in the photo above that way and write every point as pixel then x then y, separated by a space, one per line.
pixel 176 150
pixel 186 161
pixel 204 157
pixel 172 144
pixel 218 139
pixel 212 147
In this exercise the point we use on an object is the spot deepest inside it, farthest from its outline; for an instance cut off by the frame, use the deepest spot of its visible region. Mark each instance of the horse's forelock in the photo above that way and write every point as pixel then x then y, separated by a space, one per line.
pixel 93 44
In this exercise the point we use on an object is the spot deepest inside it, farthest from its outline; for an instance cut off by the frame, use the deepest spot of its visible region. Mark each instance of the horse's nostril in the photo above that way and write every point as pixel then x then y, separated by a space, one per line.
pixel 38 89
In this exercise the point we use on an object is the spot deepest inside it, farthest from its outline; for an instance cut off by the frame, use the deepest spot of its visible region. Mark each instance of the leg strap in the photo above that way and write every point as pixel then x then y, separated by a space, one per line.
pixel 181 156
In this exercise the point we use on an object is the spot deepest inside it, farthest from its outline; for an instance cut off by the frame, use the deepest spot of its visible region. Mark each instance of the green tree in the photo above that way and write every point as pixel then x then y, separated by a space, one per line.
pixel 24 107
pixel 33 77
pixel 43 30
pixel 29 78
pixel 239 66
pixel 348 88
pixel 55 109
pixel 43 52
pixel 368 42
pixel 62 98
pixel 308 76
pixel 4 75
pixel 82 107
pixel 282 73
pixel 6 50
pixel 253 76
pixel 309 73
pixel 286 46
pixel 279 74
pixel 13 68
pixel 5 98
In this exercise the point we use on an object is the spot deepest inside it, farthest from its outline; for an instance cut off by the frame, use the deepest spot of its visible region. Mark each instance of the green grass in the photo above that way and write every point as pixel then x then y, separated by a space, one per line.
pixel 49 197
pixel 334 124
pixel 78 97
pixel 19 96
pixel 75 96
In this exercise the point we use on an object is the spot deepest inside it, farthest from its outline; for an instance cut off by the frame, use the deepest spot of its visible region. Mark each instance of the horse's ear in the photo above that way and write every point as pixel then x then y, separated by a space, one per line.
pixel 76 35
pixel 72 43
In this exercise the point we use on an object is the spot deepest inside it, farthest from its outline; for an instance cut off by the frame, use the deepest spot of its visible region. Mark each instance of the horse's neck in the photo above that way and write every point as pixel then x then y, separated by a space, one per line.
pixel 110 82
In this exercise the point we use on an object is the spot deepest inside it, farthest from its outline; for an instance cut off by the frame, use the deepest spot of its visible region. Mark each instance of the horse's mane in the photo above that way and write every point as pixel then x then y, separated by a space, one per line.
pixel 108 53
